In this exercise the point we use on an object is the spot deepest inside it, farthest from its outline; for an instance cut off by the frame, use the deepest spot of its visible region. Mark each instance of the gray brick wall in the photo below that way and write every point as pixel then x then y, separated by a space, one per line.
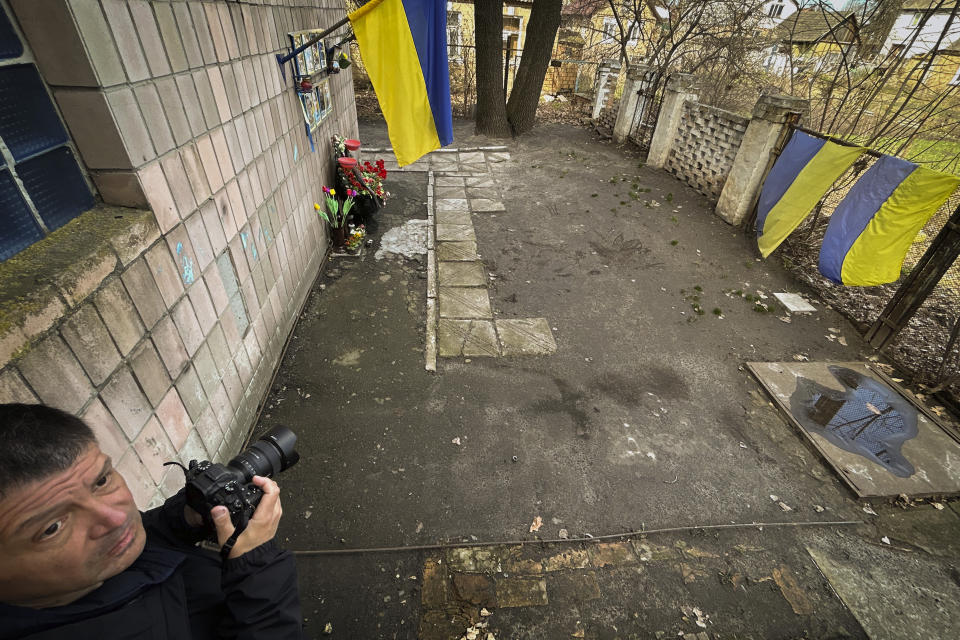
pixel 705 146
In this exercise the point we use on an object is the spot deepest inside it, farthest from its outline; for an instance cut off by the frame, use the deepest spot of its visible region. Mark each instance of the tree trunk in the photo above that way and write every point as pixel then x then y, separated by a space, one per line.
pixel 491 119
pixel 541 33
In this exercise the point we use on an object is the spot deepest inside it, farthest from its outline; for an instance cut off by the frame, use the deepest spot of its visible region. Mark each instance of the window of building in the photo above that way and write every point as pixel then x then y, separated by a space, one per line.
pixel 774 10
pixel 610 29
pixel 454 36
pixel 41 184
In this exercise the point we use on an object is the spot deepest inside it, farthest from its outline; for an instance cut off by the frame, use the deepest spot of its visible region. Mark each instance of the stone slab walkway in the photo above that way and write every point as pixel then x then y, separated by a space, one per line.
pixel 463 183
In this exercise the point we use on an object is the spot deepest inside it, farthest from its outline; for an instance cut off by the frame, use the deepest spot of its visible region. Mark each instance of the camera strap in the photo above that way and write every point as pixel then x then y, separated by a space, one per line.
pixel 232 540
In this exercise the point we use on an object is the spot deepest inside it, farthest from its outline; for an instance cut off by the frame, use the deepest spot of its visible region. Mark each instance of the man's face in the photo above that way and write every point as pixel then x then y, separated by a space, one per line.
pixel 62 536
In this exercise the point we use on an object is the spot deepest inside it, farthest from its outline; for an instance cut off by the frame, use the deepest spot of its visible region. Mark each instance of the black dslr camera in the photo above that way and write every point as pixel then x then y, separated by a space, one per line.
pixel 212 484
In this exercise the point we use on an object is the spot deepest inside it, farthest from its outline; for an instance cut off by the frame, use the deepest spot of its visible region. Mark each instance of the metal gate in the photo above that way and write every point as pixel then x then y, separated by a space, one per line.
pixel 645 114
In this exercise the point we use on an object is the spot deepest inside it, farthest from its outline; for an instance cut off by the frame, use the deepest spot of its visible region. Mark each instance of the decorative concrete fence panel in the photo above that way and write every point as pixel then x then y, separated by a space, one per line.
pixel 705 146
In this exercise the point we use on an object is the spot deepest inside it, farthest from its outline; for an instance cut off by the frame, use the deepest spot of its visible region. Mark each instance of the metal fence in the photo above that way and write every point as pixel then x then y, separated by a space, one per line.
pixel 916 320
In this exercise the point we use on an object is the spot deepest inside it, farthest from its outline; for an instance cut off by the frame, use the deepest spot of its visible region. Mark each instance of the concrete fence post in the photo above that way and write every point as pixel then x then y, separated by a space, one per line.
pixel 679 89
pixel 629 101
pixel 768 121
pixel 607 69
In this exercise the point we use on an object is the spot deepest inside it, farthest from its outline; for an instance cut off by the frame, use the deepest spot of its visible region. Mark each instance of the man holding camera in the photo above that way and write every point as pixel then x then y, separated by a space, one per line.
pixel 78 560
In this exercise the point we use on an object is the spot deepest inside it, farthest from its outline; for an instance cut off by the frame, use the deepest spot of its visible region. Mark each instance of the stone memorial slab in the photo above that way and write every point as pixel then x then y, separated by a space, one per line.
pixel 878 441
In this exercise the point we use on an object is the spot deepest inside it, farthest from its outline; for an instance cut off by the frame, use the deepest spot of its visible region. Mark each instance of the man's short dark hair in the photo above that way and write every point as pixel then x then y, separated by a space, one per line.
pixel 37 441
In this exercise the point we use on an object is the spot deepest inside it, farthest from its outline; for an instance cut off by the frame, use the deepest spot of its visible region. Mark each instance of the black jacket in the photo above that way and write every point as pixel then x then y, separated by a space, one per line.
pixel 178 591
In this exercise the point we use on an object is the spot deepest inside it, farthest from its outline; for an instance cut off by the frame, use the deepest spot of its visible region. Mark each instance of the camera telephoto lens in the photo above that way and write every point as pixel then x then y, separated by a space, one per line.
pixel 272 453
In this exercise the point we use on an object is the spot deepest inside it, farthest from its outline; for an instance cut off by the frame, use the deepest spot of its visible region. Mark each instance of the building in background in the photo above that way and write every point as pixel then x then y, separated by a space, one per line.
pixel 813 41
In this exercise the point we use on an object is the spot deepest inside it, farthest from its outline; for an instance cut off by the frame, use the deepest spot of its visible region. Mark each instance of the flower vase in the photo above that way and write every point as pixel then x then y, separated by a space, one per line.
pixel 338 237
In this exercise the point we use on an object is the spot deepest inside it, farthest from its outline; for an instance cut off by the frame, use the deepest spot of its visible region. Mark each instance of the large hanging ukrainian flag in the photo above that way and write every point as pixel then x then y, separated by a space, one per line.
pixel 404 48
pixel 801 176
pixel 871 231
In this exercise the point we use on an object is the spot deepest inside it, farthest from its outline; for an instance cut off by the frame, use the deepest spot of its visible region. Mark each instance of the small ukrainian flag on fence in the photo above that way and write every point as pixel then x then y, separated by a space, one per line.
pixel 872 229
pixel 404 48
pixel 801 176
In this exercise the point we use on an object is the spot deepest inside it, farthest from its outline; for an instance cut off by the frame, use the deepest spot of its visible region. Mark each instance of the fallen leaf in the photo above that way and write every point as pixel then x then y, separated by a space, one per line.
pixel 537 523
pixel 873 409
pixel 784 506
pixel 867 509
pixel 818 508
pixel 328 628
pixel 937 506
pixel 564 534
pixel 484 613
pixel 456 441
pixel 885 540
pixel 842 340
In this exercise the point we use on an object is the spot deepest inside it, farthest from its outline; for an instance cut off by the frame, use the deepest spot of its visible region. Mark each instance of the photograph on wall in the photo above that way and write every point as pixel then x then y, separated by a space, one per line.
pixel 312 59
pixel 323 94
pixel 312 113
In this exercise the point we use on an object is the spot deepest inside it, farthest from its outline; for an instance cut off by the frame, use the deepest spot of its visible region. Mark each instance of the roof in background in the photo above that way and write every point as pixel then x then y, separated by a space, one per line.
pixel 811 25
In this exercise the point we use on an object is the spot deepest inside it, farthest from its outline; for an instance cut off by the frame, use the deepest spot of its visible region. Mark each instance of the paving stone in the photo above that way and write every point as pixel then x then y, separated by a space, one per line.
pixel 573 559
pixel 454 217
pixel 456 233
pixel 521 592
pixel 480 181
pixel 615 554
pixel 449 192
pixel 573 587
pixel 483 192
pixel 466 338
pixel 472 156
pixel 451 204
pixel 462 274
pixel 529 336
pixel 473 559
pixel 448 181
pixel 485 205
pixel 474 168
pixel 462 302
pixel 475 588
pixel 457 251
pixel 498 156
pixel 444 163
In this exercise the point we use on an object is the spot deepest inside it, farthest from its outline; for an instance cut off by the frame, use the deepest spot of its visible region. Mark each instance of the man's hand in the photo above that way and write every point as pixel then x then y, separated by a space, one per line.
pixel 262 526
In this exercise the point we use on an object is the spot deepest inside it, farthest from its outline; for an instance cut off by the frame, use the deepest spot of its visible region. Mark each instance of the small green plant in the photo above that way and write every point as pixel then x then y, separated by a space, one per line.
pixel 623 202
pixel 674 242
pixel 698 288
pixel 717 311
pixel 594 195
pixel 669 197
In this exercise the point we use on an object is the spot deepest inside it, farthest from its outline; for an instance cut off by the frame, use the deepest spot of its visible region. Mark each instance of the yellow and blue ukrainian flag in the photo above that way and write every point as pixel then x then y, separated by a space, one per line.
pixel 801 176
pixel 873 227
pixel 404 48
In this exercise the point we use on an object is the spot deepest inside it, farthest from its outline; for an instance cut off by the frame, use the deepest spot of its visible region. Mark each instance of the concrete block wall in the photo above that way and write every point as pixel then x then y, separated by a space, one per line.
pixel 704 147
pixel 166 339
